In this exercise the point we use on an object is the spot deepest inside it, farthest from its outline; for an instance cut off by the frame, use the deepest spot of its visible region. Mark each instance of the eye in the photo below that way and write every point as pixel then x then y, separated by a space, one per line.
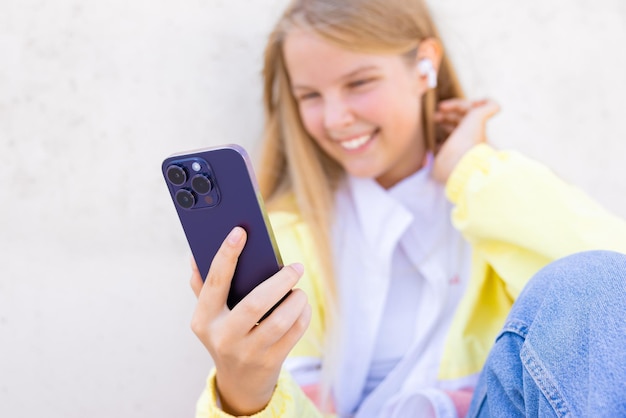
pixel 360 82
pixel 301 97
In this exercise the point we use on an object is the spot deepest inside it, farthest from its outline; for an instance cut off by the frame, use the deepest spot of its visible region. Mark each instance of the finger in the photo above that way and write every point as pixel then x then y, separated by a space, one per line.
pixel 456 104
pixel 281 320
pixel 283 346
pixel 478 103
pixel 196 279
pixel 214 292
pixel 263 297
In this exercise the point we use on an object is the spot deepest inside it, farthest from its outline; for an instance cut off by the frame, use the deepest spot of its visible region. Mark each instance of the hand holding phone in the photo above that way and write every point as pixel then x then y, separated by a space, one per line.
pixel 222 214
pixel 248 356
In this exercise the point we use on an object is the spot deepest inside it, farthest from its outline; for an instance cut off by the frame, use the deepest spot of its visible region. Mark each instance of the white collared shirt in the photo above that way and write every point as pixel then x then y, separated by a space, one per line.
pixel 388 243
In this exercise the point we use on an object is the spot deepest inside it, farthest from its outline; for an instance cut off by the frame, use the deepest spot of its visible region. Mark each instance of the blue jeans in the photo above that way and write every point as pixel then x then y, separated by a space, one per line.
pixel 562 351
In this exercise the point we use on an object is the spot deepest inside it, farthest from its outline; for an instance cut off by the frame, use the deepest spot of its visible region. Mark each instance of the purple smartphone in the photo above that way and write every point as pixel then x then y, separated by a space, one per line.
pixel 214 190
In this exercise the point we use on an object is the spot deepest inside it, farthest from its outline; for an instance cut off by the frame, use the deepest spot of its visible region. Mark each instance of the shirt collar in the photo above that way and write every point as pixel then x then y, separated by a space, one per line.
pixel 386 214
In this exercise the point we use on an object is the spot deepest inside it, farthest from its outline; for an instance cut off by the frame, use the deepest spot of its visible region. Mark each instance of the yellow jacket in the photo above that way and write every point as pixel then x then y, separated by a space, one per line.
pixel 517 215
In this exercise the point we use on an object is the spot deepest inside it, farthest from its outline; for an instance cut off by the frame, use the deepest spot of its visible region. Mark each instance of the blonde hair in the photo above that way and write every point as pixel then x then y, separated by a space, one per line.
pixel 291 162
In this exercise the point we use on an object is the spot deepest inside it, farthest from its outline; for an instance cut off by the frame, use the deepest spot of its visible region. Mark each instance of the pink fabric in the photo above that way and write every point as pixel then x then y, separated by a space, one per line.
pixel 314 394
pixel 461 400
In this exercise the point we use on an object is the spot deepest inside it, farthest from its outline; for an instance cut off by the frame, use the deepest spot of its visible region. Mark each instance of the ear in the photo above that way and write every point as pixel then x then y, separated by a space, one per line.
pixel 427 62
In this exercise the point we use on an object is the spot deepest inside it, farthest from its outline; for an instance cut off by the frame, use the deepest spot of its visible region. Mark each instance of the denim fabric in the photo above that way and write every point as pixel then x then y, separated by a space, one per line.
pixel 562 350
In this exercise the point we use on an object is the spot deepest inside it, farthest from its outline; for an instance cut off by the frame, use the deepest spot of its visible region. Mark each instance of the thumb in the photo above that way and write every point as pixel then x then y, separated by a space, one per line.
pixel 214 293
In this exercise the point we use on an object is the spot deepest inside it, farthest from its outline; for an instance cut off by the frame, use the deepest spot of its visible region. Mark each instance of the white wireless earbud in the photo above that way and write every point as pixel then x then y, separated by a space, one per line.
pixel 425 67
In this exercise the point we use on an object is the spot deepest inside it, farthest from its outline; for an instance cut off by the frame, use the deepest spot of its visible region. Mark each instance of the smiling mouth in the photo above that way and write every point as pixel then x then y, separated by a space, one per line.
pixel 357 142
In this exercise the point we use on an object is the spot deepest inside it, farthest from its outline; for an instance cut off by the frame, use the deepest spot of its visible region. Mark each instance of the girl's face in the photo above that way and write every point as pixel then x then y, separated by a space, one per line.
pixel 363 110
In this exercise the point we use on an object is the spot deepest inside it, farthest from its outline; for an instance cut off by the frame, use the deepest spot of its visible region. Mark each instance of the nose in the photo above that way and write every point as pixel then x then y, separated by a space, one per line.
pixel 337 114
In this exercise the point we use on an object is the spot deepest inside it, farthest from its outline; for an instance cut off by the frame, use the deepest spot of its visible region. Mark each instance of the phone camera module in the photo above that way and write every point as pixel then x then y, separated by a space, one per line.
pixel 176 175
pixel 201 184
pixel 185 198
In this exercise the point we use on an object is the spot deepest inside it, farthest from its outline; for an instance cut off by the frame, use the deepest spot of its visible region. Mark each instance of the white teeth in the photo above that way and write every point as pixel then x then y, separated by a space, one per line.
pixel 355 143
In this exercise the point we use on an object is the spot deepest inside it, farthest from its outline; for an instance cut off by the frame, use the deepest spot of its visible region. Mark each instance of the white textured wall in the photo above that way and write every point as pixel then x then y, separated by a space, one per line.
pixel 94 297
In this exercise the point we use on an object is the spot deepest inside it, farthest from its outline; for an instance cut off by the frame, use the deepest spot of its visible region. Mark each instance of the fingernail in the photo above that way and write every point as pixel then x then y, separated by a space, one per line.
pixel 235 236
pixel 298 267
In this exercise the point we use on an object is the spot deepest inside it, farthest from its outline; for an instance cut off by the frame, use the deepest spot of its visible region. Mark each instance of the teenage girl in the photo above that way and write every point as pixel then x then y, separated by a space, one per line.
pixel 406 235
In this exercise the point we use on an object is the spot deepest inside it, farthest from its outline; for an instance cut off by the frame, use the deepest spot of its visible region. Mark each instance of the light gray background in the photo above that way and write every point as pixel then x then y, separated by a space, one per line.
pixel 94 296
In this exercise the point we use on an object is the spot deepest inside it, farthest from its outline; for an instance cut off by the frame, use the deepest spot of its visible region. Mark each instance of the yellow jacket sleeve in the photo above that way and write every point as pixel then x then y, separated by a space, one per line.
pixel 288 400
pixel 518 216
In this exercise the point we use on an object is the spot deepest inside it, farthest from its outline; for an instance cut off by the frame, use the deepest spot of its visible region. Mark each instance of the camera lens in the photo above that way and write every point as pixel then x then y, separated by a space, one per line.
pixel 176 175
pixel 201 184
pixel 185 198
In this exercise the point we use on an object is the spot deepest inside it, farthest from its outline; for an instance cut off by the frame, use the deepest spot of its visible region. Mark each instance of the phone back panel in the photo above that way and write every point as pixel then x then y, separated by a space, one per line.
pixel 234 200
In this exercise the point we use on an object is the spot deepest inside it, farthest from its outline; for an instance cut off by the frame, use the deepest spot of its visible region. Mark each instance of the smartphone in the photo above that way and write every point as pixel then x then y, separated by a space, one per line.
pixel 214 190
